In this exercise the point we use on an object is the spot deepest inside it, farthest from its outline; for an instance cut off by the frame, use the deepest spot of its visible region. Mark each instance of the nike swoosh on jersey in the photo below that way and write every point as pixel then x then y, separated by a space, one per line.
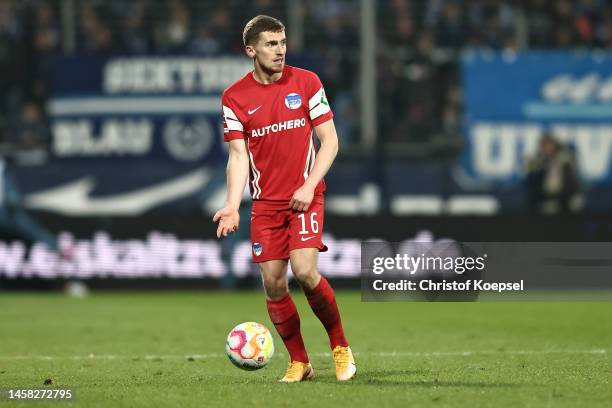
pixel 307 238
pixel 252 111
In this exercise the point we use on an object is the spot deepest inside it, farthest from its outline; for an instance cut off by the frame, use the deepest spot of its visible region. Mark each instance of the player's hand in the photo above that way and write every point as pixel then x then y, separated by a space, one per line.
pixel 302 198
pixel 228 219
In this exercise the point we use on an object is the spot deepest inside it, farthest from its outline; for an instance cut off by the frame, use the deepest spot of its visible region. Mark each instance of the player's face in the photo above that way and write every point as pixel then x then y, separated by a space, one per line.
pixel 270 50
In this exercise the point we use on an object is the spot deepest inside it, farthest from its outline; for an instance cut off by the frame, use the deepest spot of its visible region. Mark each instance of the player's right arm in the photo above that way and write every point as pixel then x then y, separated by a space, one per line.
pixel 237 175
pixel 237 168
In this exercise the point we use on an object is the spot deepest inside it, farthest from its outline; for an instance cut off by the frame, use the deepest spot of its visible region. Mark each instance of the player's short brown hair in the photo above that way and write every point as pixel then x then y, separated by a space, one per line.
pixel 258 25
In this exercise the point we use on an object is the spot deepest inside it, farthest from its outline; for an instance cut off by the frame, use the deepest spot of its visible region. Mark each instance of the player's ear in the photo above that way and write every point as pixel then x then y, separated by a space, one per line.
pixel 249 51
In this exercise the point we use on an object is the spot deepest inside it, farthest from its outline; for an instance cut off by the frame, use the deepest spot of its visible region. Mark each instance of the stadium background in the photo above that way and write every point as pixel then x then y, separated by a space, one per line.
pixel 110 145
pixel 111 141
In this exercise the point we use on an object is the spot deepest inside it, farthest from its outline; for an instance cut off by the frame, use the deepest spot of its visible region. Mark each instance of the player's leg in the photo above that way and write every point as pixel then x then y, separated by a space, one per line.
pixel 322 301
pixel 305 243
pixel 286 320
pixel 269 238
pixel 281 308
pixel 319 293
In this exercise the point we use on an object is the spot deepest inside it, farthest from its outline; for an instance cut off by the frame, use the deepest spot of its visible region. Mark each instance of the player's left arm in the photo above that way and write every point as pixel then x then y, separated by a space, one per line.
pixel 326 133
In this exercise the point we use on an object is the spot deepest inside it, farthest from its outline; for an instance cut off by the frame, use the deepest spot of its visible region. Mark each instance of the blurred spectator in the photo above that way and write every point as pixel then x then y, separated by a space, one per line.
pixel 418 94
pixel 564 32
pixel 135 26
pixel 204 43
pixel 604 31
pixel 10 31
pixel 29 137
pixel 400 25
pixel 46 29
pixel 174 30
pixel 97 27
pixel 551 182
pixel 211 34
pixel 45 33
pixel 539 22
pixel 447 21
pixel 588 17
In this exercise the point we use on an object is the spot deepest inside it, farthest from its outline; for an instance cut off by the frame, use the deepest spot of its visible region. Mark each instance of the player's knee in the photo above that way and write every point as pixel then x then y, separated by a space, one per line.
pixel 276 287
pixel 306 275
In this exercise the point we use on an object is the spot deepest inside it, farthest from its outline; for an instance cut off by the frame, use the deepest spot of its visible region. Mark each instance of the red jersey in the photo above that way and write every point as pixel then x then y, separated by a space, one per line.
pixel 277 120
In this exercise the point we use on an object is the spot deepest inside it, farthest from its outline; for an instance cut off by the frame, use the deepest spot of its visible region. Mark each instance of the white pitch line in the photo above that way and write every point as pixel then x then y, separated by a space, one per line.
pixel 375 354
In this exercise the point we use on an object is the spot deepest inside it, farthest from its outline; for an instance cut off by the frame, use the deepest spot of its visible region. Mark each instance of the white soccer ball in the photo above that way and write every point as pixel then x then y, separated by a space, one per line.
pixel 249 346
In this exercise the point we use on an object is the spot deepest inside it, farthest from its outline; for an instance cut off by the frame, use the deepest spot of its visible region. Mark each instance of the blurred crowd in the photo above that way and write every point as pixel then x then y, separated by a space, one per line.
pixel 420 42
pixel 418 47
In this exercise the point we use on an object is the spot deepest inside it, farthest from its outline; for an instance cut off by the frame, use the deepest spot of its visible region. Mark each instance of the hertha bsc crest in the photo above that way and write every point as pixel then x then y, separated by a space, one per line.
pixel 293 101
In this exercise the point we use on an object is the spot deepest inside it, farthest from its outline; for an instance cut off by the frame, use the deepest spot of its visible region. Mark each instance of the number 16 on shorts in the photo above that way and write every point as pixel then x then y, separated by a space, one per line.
pixel 314 225
pixel 307 228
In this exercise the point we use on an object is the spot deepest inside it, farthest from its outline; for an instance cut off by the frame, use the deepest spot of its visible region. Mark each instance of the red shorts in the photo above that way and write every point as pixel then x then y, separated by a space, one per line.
pixel 276 229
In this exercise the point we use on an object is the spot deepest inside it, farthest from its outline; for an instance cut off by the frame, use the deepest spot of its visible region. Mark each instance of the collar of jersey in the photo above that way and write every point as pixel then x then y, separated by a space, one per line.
pixel 281 81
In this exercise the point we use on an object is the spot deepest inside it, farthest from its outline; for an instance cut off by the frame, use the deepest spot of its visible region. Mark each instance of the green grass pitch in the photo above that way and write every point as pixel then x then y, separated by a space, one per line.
pixel 132 350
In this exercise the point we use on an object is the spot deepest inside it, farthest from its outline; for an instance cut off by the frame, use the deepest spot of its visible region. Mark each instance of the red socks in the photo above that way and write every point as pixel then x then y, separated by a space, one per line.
pixel 284 315
pixel 323 303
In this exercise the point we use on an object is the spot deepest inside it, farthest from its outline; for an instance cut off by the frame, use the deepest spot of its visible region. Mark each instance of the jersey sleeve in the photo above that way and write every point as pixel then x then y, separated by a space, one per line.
pixel 318 105
pixel 232 127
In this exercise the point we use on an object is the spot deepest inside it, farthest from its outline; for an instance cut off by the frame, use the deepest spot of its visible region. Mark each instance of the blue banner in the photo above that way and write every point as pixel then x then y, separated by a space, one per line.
pixel 511 100
pixel 151 108
pixel 132 134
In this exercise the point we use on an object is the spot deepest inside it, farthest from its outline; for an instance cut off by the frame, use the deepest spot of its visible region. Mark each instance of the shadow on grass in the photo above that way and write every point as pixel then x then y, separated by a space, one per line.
pixel 425 384
pixel 384 378
pixel 381 378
